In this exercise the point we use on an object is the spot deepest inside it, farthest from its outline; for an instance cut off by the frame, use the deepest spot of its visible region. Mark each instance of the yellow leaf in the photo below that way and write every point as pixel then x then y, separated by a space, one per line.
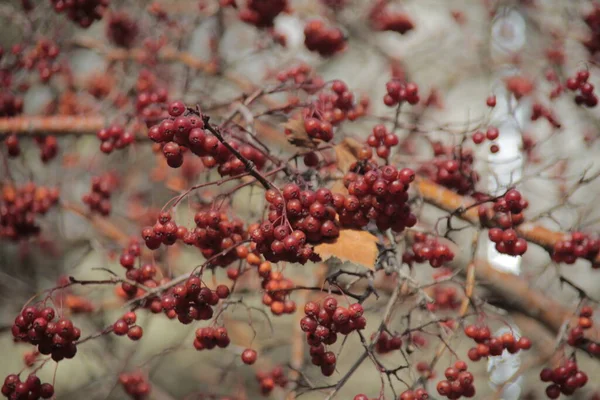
pixel 358 247
pixel 338 187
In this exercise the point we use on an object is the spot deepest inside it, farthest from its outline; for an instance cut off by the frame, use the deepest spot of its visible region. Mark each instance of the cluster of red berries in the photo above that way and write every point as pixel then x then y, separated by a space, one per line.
pixel 214 233
pixel 383 19
pixel 428 248
pixel 135 385
pixel 297 218
pixel 585 322
pixel 302 74
pixel 490 134
pixel 566 379
pixel 538 111
pixel 82 12
pixel 121 29
pixel 586 94
pixel 493 346
pixel 126 326
pixel 208 338
pixel 322 39
pixel 318 129
pixel 322 324
pixel 444 298
pixel 37 327
pixel 190 301
pixel 459 382
pixel 143 274
pixel 180 132
pixel 382 141
pixel 337 104
pixel 507 241
pixel 41 57
pixel 19 206
pixel 31 389
pixel 98 200
pixel 262 13
pixel 508 210
pixel 114 137
pixel 577 245
pixel 48 147
pixel 10 104
pixel 277 290
pixel 376 193
pixel 151 99
pixel 268 380
pixel 452 167
pixel 399 92
pixel 165 231
pixel 592 20
pixel 386 343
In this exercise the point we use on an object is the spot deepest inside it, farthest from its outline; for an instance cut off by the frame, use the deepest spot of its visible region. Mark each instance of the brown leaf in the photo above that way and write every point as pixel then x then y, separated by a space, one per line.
pixel 296 134
pixel 358 247
pixel 347 152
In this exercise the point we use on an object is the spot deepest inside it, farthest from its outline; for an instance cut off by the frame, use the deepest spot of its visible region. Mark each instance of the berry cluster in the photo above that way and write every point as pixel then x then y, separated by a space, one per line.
pixel 585 322
pixel 302 74
pixel 493 346
pixel 586 94
pixel 126 326
pixel 262 13
pixel 577 245
pixel 114 137
pixel 48 147
pixel 180 132
pixel 151 98
pixel 165 231
pixel 318 129
pixel 143 274
pixel 135 385
pixel 538 110
pixel 31 389
pixel 592 20
pixel 37 327
pixel 444 298
pixel 214 233
pixel 268 380
pixel 98 200
pixel 566 379
pixel 490 134
pixel 208 338
pixel 277 290
pixel 507 241
pixel 386 344
pixel 459 382
pixel 337 104
pixel 121 29
pixel 10 106
pixel 322 324
pixel 19 206
pixel 82 12
pixel 324 40
pixel 452 167
pixel 382 141
pixel 376 194
pixel 399 92
pixel 297 218
pixel 42 57
pixel 190 301
pixel 393 21
pixel 428 248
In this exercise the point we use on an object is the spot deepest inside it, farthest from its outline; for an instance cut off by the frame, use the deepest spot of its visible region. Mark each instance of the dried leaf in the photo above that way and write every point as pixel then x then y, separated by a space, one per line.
pixel 358 247
pixel 347 152
pixel 338 187
pixel 296 134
